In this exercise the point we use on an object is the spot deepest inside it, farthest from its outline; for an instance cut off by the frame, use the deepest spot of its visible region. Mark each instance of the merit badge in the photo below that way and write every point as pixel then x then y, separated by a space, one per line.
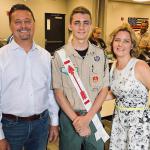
pixel 96 58
pixel 94 80
pixel 63 70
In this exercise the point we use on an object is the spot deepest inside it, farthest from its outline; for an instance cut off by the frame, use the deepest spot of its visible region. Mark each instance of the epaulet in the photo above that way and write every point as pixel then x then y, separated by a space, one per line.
pixel 62 47
pixel 97 47
pixel 94 45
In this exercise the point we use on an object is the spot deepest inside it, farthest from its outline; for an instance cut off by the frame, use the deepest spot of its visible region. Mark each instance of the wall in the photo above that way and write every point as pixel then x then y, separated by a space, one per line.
pixel 39 9
pixel 71 4
pixel 116 10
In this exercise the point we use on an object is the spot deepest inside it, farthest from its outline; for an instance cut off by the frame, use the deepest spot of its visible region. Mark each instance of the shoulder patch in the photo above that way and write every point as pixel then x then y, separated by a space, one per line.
pixel 62 47
pixel 94 45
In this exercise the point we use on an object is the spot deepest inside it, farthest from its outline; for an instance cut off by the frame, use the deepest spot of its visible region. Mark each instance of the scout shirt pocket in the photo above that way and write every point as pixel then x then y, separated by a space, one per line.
pixel 67 83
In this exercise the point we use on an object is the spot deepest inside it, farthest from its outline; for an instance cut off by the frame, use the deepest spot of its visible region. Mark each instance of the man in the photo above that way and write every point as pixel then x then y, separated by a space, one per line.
pixel 26 99
pixel 144 41
pixel 143 36
pixel 76 127
pixel 9 39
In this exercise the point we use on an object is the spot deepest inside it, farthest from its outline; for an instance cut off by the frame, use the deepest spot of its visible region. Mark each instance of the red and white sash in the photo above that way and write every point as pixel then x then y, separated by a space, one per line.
pixel 101 133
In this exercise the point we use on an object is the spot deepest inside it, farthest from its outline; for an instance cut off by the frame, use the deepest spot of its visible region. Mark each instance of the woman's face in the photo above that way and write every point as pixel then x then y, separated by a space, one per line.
pixel 122 44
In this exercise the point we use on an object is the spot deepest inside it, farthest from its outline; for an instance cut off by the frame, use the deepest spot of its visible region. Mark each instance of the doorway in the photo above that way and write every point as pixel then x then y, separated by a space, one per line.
pixel 54 31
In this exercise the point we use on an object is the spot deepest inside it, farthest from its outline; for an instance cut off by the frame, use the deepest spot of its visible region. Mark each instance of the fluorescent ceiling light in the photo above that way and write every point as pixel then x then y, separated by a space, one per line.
pixel 141 0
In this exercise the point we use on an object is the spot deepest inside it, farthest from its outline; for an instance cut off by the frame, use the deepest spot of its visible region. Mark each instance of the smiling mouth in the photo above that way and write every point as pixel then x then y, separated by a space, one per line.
pixel 119 49
pixel 81 33
pixel 23 31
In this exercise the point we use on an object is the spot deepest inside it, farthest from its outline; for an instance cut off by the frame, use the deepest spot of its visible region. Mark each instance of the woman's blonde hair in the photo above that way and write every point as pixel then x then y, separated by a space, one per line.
pixel 135 52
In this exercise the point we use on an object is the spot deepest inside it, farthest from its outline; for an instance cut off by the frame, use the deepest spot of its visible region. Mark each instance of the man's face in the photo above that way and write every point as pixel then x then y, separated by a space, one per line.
pixel 144 27
pixel 22 25
pixel 80 26
pixel 97 33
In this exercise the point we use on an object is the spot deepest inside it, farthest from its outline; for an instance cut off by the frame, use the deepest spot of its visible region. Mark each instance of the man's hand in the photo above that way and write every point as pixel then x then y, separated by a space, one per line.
pixel 4 145
pixel 84 132
pixel 53 133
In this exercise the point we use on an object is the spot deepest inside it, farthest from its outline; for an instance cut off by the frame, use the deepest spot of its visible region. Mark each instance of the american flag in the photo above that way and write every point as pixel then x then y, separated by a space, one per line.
pixel 135 22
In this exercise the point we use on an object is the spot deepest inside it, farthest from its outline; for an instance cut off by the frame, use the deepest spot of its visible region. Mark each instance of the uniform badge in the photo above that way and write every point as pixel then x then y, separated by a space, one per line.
pixel 96 58
pixel 64 71
pixel 94 80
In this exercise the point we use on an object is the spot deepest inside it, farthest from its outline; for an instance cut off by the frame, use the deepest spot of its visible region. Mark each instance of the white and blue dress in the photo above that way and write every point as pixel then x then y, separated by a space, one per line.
pixel 131 122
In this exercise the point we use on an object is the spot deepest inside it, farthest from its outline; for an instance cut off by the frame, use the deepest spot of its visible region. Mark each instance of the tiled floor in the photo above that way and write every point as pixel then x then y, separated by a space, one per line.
pixel 52 146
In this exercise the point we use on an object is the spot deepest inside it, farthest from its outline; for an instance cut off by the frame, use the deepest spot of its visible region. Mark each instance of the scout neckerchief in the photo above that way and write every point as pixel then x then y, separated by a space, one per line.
pixel 101 133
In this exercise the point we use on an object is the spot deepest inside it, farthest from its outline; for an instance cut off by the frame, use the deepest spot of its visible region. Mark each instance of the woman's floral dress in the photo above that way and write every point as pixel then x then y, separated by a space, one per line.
pixel 131 122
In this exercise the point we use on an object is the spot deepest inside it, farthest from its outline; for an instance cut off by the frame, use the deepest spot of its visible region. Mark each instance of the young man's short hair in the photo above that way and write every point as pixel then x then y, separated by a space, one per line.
pixel 81 10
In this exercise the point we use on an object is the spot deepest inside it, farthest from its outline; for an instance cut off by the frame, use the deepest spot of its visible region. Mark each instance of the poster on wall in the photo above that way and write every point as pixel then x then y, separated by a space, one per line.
pixel 135 22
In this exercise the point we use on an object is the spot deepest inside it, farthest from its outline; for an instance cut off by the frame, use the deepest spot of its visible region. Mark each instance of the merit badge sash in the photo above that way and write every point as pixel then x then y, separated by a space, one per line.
pixel 100 133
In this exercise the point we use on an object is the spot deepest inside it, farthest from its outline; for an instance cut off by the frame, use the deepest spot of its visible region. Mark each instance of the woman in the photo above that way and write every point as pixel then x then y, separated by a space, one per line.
pixel 95 38
pixel 129 82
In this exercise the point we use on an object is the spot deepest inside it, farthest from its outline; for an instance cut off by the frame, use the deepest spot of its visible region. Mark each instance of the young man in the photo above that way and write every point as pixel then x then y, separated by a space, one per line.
pixel 76 127
pixel 26 100
pixel 144 41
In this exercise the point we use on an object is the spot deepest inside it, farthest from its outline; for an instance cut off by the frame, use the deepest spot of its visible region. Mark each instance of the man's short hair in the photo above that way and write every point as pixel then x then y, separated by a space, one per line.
pixel 145 21
pixel 19 7
pixel 81 10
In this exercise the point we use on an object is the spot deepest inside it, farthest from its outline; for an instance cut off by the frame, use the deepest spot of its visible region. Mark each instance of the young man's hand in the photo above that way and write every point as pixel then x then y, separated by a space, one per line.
pixel 84 132
pixel 81 125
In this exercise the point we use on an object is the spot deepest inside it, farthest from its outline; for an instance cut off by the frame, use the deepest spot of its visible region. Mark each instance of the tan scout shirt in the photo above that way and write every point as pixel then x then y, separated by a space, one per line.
pixel 144 40
pixel 90 69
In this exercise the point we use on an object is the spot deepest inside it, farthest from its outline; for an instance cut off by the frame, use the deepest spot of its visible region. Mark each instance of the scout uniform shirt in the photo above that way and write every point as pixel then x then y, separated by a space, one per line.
pixel 93 71
pixel 143 39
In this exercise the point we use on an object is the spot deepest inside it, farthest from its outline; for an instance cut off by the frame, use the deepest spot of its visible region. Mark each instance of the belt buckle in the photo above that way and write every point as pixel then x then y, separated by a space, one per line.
pixel 81 112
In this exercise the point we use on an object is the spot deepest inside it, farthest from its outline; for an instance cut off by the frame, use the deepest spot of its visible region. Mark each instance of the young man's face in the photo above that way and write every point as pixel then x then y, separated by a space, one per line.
pixel 80 26
pixel 22 25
